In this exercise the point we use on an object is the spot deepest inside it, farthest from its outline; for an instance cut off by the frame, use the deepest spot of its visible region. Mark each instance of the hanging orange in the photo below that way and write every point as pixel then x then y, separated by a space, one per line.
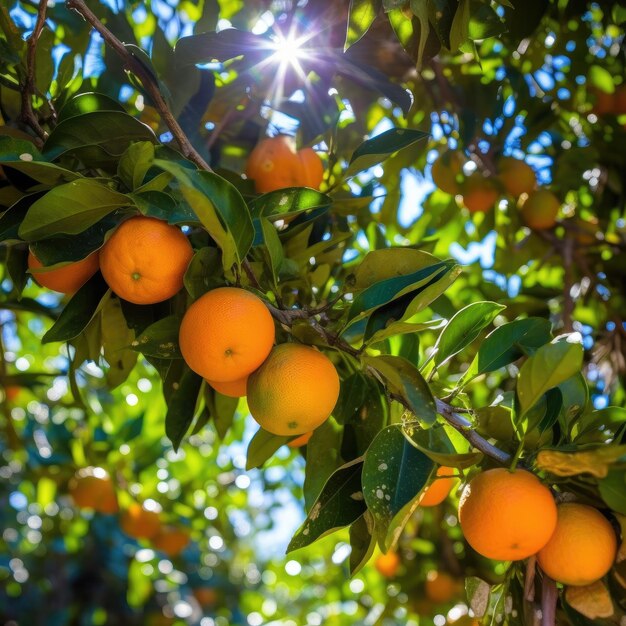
pixel 66 279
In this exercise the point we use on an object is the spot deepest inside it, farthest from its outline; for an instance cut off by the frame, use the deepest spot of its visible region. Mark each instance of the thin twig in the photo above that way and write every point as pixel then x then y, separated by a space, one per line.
pixel 549 598
pixel 147 80
pixel 28 88
pixel 568 282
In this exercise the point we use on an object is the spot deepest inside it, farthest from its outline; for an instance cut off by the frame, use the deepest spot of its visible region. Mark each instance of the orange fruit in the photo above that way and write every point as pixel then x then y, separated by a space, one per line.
pixel 145 259
pixel 12 392
pixel 465 620
pixel 139 522
pixel 479 194
pixel 440 587
pixel 92 488
pixel 516 176
pixel 171 540
pixel 388 564
pixel 300 441
pixel 582 548
pixel 226 334
pixel 294 391
pixel 506 515
pixel 66 279
pixel 540 209
pixel 274 163
pixel 231 388
pixel 447 172
pixel 206 596
pixel 439 489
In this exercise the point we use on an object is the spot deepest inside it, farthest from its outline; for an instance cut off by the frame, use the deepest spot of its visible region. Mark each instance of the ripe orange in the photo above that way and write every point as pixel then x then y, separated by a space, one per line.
pixel 92 488
pixel 388 564
pixel 226 334
pixel 540 209
pixel 171 540
pixel 582 548
pixel 294 391
pixel 145 259
pixel 232 388
pixel 479 194
pixel 300 441
pixel 274 163
pixel 507 516
pixel 516 176
pixel 440 587
pixel 67 279
pixel 139 522
pixel 439 489
pixel 447 172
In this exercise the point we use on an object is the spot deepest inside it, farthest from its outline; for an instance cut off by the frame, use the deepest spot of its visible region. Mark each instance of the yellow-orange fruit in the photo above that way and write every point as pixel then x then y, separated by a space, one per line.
pixel 540 209
pixel 171 540
pixel 274 163
pixel 447 172
pixel 232 388
pixel 226 334
pixel 439 489
pixel 139 522
pixel 440 587
pixel 294 391
pixel 92 488
pixel 582 548
pixel 479 194
pixel 67 279
pixel 300 441
pixel 388 564
pixel 516 176
pixel 145 259
pixel 507 516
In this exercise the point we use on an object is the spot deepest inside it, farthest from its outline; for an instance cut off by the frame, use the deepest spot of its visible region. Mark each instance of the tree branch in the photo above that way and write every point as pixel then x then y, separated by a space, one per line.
pixel 28 88
pixel 145 76
pixel 549 598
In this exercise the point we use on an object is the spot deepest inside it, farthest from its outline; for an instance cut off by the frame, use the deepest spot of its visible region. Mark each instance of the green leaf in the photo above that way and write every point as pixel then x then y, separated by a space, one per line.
pixel 463 328
pixel 362 542
pixel 181 406
pixel 404 379
pixel 485 23
pixel 70 209
pixel 284 203
pixel 160 339
pixel 261 447
pixel 552 364
pixel 361 15
pixel 507 343
pixel 272 248
pixel 135 163
pixel 79 311
pixel 420 10
pixel 202 273
pixel 394 473
pixel 601 79
pixel 219 207
pixel 460 25
pixel 339 504
pixel 164 207
pixel 613 490
pixel 88 102
pixel 443 444
pixel 377 149
pixel 222 409
pixel 116 340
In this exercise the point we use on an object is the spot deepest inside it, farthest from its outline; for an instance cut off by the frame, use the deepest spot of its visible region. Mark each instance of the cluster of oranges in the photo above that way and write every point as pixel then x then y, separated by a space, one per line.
pixel 92 488
pixel 539 207
pixel 510 516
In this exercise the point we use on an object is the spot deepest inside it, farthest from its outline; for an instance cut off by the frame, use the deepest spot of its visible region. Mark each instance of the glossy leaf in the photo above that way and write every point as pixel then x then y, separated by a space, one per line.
pixel 160 339
pixel 261 447
pixel 181 406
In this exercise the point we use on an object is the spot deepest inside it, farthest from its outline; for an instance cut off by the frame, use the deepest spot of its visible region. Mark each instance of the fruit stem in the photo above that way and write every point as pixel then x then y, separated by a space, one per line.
pixel 549 598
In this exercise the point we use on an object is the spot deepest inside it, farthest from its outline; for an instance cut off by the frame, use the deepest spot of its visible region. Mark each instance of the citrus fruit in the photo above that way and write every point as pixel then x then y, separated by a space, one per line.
pixel 479 194
pixel 139 522
pixel 171 540
pixel 226 334
pixel 516 176
pixel 66 279
pixel 440 587
pixel 232 388
pixel 540 209
pixel 92 488
pixel 145 259
pixel 582 548
pixel 294 391
pixel 300 441
pixel 388 564
pixel 505 515
pixel 447 172
pixel 274 163
pixel 439 489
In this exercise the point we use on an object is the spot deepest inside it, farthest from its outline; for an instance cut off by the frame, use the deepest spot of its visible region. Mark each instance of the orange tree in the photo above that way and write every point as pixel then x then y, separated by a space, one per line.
pixel 398 226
